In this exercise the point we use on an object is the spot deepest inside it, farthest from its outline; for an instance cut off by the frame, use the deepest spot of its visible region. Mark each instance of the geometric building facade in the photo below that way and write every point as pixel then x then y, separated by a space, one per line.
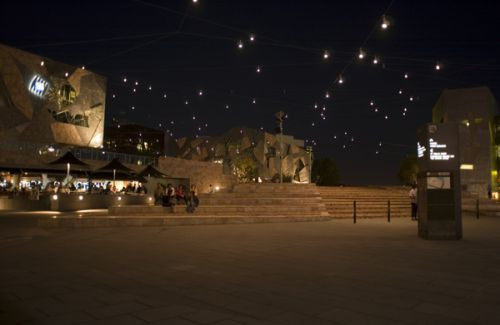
pixel 47 102
pixel 260 146
pixel 474 109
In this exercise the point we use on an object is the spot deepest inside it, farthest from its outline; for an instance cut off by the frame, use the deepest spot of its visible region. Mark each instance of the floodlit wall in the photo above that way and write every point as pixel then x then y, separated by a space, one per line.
pixel 47 102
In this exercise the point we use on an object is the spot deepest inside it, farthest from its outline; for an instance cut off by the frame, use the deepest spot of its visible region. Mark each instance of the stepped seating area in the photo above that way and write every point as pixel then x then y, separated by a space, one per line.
pixel 487 207
pixel 371 201
pixel 246 200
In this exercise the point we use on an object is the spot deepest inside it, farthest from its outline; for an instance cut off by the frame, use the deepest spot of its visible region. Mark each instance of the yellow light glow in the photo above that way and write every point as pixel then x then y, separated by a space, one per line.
pixel 54 197
pixel 80 197
pixel 467 167
pixel 119 198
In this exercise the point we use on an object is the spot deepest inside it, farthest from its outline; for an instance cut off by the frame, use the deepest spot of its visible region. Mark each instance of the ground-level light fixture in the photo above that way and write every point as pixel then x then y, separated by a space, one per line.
pixel 80 197
pixel 55 197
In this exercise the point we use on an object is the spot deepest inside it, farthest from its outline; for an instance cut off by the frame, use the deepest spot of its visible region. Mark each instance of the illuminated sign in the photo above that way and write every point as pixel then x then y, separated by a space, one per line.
pixel 438 151
pixel 420 150
pixel 38 86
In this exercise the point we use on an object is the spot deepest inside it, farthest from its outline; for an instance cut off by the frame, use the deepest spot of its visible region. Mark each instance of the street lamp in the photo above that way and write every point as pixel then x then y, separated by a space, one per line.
pixel 279 129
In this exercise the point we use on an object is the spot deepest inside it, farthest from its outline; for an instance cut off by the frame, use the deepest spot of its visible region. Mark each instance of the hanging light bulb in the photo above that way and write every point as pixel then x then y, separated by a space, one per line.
pixel 327 95
pixel 386 117
pixel 438 66
pixel 133 90
pixel 186 102
pixel 42 63
pixel 411 98
pixel 406 76
pixel 150 88
pixel 114 96
pixel 315 105
pixel 164 95
pixel 376 110
pixel 254 101
pixel 195 1
pixel 227 106
pixel 136 83
pixel 385 22
pixel 66 74
pixel 340 79
pixel 258 69
pixel 404 109
pixel 133 107
pixel 200 92
pixel 375 60
pixel 252 38
pixel 194 117
pixel 240 44
pixel 361 54
pixel 125 79
pixel 326 55
pixel 83 67
pixel 400 92
pixel 312 124
pixel 371 103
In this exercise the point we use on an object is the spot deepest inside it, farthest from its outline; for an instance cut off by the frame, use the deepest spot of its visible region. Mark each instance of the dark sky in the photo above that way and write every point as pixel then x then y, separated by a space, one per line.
pixel 179 48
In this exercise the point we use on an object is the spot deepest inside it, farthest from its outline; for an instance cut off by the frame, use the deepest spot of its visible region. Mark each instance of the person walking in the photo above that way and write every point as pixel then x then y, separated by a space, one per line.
pixel 490 192
pixel 413 200
pixel 192 201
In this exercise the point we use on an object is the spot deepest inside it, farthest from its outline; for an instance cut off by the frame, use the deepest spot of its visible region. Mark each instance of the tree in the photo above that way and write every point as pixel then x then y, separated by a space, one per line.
pixel 324 172
pixel 245 168
pixel 408 170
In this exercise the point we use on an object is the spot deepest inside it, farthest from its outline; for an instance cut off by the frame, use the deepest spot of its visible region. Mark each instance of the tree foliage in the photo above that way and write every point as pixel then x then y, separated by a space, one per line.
pixel 245 168
pixel 324 172
pixel 408 170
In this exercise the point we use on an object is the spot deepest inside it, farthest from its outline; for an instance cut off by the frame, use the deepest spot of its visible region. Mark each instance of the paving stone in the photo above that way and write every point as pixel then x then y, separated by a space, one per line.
pixel 207 316
pixel 118 309
pixel 161 313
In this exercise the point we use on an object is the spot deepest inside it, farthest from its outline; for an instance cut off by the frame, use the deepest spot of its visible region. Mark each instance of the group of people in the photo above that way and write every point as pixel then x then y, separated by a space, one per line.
pixel 169 196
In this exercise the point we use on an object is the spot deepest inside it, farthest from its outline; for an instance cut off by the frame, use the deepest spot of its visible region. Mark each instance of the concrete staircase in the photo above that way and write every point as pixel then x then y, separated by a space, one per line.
pixel 371 201
pixel 247 200
pixel 487 207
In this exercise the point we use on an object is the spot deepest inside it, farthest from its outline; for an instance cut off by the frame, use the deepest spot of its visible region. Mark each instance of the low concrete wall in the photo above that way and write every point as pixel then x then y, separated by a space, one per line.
pixel 200 173
pixel 73 202
pixel 23 203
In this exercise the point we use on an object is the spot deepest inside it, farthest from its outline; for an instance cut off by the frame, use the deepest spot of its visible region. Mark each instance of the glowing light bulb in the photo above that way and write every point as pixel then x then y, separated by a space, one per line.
pixel 254 101
pixel 200 93
pixel 376 110
pixel 411 99
pixel 340 79
pixel 326 55
pixel 385 22
pixel 375 60
pixel 164 95
pixel 400 92
pixel 386 117
pixel 125 79
pixel 438 66
pixel 312 124
pixel 227 106
pixel 195 1
pixel 406 76
pixel 240 44
pixel 404 109
pixel 42 63
pixel 258 69
pixel 83 67
pixel 371 103
pixel 361 54
pixel 315 105
pixel 114 96
pixel 194 117
pixel 133 90
pixel 66 74
pixel 150 87
pixel 136 83
pixel 133 107
pixel 251 37
pixel 327 95
pixel 186 102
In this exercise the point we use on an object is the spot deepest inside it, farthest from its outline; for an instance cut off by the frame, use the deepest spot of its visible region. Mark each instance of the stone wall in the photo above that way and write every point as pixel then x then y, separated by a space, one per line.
pixel 199 172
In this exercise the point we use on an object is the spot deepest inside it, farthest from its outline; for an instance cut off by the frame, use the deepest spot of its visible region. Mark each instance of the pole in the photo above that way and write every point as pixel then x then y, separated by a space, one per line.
pixel 477 208
pixel 388 210
pixel 281 151
pixel 114 177
pixel 67 170
pixel 354 211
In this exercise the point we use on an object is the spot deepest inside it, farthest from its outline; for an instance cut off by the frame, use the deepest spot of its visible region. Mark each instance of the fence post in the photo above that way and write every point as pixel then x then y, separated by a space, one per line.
pixel 388 210
pixel 354 211
pixel 477 208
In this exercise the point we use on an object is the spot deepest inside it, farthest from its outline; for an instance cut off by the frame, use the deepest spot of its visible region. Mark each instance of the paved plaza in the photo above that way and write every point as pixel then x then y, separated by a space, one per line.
pixel 332 272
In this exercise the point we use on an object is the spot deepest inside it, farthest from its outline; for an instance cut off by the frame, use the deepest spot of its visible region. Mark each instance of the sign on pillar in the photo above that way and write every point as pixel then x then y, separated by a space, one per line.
pixel 439 191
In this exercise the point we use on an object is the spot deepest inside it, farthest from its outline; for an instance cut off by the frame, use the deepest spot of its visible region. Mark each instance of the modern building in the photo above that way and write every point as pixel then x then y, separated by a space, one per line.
pixel 134 139
pixel 44 102
pixel 260 146
pixel 475 110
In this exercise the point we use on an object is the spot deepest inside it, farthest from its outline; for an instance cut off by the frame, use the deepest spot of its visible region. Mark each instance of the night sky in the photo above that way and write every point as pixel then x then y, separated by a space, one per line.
pixel 179 48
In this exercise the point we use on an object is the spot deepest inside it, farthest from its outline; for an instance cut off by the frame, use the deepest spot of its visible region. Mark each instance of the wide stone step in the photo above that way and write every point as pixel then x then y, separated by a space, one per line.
pixel 259 201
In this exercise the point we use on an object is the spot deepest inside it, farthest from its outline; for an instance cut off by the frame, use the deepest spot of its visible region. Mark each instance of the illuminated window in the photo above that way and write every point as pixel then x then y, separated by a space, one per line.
pixel 38 86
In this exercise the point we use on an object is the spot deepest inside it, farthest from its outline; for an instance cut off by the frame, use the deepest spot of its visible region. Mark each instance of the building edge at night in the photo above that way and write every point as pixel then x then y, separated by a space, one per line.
pixel 476 111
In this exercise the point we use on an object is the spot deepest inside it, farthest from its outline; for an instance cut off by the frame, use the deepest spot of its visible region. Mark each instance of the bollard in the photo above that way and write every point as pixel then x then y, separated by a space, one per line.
pixel 354 211
pixel 477 208
pixel 388 210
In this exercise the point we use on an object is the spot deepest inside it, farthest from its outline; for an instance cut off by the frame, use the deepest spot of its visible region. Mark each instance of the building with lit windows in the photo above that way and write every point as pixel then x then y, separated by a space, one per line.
pixel 475 109
pixel 134 139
